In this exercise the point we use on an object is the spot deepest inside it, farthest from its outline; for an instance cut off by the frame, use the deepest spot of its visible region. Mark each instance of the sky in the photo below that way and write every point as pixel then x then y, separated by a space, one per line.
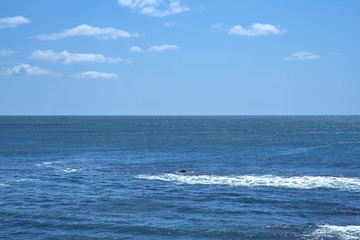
pixel 180 57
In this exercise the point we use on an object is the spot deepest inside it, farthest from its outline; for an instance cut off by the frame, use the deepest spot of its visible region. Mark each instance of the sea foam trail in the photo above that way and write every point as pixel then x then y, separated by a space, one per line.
pixel 338 232
pixel 298 182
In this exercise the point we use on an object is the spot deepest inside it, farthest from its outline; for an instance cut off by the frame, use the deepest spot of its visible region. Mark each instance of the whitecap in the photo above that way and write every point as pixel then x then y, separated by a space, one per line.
pixel 70 170
pixel 44 164
pixel 25 179
pixel 12 181
pixel 296 182
pixel 339 232
pixel 293 151
pixel 47 164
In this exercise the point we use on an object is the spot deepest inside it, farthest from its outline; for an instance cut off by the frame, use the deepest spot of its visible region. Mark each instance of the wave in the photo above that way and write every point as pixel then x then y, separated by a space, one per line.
pixel 25 179
pixel 70 170
pixel 297 182
pixel 299 150
pixel 294 151
pixel 338 232
pixel 12 181
pixel 55 165
pixel 48 164
pixel 44 164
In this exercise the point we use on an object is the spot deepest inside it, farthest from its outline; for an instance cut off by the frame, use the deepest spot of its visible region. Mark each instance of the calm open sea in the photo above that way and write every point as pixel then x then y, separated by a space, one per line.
pixel 270 177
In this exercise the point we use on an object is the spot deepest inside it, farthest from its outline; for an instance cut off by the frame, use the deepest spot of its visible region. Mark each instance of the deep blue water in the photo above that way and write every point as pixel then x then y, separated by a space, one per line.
pixel 270 177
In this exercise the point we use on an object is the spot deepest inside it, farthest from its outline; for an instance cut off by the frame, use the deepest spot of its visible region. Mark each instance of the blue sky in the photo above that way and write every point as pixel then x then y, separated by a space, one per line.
pixel 179 57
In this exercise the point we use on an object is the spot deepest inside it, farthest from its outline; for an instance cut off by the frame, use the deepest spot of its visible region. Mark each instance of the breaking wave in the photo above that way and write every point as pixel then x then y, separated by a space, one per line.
pixel 13 181
pixel 297 182
pixel 48 164
pixel 337 232
pixel 55 165
pixel 71 170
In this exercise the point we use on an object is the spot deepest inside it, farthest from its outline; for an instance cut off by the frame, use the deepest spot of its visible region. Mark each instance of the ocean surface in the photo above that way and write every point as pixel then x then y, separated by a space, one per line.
pixel 251 177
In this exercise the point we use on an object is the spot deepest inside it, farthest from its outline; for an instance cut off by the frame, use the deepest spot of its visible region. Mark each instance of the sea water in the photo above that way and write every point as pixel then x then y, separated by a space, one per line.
pixel 251 177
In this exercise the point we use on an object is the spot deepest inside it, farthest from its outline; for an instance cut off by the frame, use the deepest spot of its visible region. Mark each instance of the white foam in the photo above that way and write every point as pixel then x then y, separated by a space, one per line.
pixel 44 164
pixel 297 182
pixel 25 179
pixel 293 151
pixel 333 231
pixel 48 164
pixel 70 170
pixel 10 182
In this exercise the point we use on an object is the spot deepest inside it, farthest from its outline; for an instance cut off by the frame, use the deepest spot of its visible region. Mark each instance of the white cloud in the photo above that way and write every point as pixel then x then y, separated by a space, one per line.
pixel 302 55
pixel 135 49
pixel 219 28
pixel 162 48
pixel 6 52
pixel 154 8
pixel 26 69
pixel 170 24
pixel 12 22
pixel 94 75
pixel 66 57
pixel 87 30
pixel 257 29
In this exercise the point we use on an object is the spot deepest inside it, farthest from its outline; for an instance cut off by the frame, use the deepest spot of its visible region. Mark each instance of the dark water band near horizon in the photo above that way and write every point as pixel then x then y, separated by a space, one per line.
pixel 251 177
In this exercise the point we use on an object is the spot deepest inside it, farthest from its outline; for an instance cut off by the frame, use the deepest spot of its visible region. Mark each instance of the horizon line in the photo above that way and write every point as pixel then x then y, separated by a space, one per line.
pixel 170 115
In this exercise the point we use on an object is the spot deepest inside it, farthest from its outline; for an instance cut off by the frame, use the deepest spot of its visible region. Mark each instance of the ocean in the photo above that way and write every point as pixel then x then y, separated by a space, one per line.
pixel 118 177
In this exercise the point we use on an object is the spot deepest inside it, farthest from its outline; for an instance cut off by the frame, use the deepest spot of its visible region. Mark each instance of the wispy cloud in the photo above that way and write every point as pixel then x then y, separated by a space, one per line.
pixel 155 8
pixel 257 29
pixel 162 48
pixel 26 69
pixel 302 55
pixel 6 52
pixel 87 30
pixel 135 49
pixel 66 57
pixel 219 28
pixel 12 22
pixel 170 24
pixel 95 75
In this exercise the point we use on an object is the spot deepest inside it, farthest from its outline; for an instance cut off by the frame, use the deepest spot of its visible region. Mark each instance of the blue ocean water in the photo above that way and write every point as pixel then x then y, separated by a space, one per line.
pixel 261 177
